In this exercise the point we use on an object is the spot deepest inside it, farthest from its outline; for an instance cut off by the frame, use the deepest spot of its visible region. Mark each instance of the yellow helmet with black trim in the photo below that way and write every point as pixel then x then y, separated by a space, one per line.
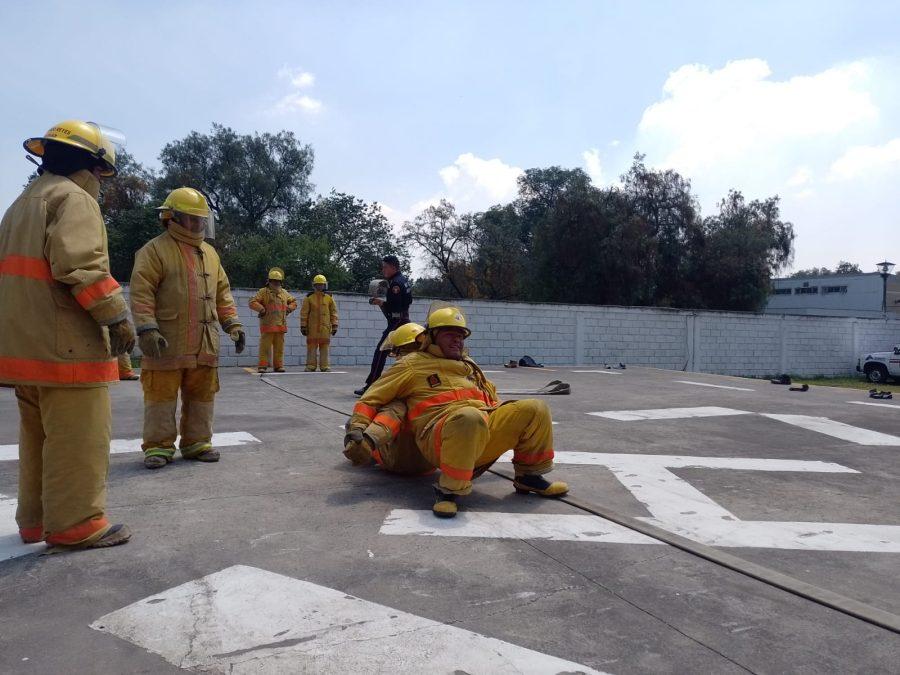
pixel 320 279
pixel 403 336
pixel 448 317
pixel 98 141
pixel 276 274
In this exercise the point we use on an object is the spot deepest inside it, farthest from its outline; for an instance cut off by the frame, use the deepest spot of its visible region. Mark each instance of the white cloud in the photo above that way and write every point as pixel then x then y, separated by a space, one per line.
pixel 474 183
pixel 295 101
pixel 299 79
pixel 801 176
pixel 863 160
pixel 708 116
pixel 593 166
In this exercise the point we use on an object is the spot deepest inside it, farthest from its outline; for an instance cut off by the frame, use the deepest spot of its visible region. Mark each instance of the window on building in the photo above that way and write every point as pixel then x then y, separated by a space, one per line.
pixel 833 289
pixel 781 291
pixel 807 290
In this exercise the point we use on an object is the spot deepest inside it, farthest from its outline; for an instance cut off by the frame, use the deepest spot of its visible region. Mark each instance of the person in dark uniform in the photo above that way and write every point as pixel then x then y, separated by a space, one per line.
pixel 395 308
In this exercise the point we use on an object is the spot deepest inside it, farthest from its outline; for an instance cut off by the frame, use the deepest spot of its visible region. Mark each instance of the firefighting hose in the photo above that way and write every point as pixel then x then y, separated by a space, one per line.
pixel 822 596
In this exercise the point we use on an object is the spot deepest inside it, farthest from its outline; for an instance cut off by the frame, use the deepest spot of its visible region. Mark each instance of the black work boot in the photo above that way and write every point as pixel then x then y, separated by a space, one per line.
pixel 540 486
pixel 444 504
pixel 361 390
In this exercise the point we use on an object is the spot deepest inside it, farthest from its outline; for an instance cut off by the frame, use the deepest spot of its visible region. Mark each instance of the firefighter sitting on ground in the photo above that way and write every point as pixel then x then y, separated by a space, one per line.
pixel 318 323
pixel 273 304
pixel 385 440
pixel 454 416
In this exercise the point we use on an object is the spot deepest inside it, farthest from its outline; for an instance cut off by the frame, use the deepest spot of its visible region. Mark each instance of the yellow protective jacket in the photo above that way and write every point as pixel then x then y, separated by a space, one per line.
pixel 319 316
pixel 56 291
pixel 178 286
pixel 278 304
pixel 431 386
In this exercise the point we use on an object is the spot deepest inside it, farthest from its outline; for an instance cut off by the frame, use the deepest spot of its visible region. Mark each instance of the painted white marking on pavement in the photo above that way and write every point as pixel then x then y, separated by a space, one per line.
pixel 667 413
pixel 716 386
pixel 605 372
pixel 679 507
pixel 829 427
pixel 557 527
pixel 247 620
pixel 11 545
pixel 117 446
pixel 880 405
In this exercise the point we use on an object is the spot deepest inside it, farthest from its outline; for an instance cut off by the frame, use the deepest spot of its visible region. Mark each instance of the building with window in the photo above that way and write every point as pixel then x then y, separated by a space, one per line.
pixel 835 295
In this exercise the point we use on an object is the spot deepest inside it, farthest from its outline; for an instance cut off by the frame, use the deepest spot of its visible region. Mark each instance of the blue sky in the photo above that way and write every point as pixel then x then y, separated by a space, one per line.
pixel 406 102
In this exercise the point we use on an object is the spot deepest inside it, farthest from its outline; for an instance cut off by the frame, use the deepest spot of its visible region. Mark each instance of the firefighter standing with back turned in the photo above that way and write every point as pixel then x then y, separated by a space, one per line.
pixel 273 304
pixel 395 308
pixel 179 296
pixel 318 324
pixel 65 321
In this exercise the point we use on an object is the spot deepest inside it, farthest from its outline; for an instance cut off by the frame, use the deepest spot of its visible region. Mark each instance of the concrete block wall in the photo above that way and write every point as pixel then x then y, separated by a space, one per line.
pixel 730 343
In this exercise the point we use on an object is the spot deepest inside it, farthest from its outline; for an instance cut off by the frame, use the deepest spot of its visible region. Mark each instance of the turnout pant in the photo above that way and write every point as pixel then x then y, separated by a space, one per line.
pixel 467 440
pixel 64 438
pixel 379 358
pixel 317 353
pixel 198 387
pixel 271 343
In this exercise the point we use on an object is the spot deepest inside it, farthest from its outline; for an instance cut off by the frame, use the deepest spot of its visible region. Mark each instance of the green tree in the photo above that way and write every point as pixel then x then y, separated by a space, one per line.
pixel 746 245
pixel 253 181
pixel 447 240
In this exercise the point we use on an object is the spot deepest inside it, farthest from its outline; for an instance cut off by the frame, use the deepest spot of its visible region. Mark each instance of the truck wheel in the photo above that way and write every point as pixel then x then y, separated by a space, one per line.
pixel 876 373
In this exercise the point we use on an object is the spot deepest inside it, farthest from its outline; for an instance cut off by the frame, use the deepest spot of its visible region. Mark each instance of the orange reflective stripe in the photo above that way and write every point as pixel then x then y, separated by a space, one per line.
pixel 438 430
pixel 520 457
pixel 458 474
pixel 32 535
pixel 366 411
pixel 97 291
pixel 26 266
pixel 34 370
pixel 447 397
pixel 377 457
pixel 226 311
pixel 273 329
pixel 388 421
pixel 78 533
pixel 276 308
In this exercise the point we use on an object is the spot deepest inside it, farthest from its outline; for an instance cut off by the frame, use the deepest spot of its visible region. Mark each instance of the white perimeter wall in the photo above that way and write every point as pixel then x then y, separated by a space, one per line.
pixel 713 342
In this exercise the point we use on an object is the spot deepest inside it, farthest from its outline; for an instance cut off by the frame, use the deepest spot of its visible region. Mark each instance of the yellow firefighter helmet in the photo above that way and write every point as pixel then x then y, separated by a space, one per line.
pixel 98 141
pixel 185 200
pixel 276 274
pixel 448 317
pixel 406 334
pixel 320 279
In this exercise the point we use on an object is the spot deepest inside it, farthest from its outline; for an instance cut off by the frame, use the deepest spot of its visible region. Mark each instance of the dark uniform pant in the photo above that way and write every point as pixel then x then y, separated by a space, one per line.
pixel 380 357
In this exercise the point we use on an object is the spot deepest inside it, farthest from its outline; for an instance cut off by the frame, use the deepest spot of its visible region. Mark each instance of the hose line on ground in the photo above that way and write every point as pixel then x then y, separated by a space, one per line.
pixel 822 596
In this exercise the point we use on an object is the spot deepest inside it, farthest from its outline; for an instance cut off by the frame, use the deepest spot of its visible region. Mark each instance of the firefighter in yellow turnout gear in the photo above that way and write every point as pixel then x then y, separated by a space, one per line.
pixel 65 321
pixel 273 304
pixel 458 424
pixel 179 293
pixel 318 323
pixel 388 439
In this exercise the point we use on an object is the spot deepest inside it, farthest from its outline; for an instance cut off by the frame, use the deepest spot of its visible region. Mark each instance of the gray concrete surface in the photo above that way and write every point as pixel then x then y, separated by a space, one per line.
pixel 292 505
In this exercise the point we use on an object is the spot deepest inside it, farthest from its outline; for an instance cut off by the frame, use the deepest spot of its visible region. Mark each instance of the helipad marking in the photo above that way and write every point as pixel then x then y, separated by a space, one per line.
pixel 480 524
pixel 605 372
pixel 667 413
pixel 11 545
pixel 117 446
pixel 247 620
pixel 679 507
pixel 880 405
pixel 844 432
pixel 716 386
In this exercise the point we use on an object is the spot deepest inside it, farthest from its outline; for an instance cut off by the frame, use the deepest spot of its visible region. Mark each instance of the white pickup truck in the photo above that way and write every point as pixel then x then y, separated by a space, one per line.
pixel 879 366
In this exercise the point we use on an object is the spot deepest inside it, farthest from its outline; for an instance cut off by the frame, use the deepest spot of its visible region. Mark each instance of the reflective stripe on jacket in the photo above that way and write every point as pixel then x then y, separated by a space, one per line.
pixel 56 291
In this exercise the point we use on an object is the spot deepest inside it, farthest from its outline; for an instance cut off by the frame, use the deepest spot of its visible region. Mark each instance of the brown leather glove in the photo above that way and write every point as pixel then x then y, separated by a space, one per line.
pixel 152 343
pixel 261 313
pixel 121 338
pixel 357 448
pixel 239 338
